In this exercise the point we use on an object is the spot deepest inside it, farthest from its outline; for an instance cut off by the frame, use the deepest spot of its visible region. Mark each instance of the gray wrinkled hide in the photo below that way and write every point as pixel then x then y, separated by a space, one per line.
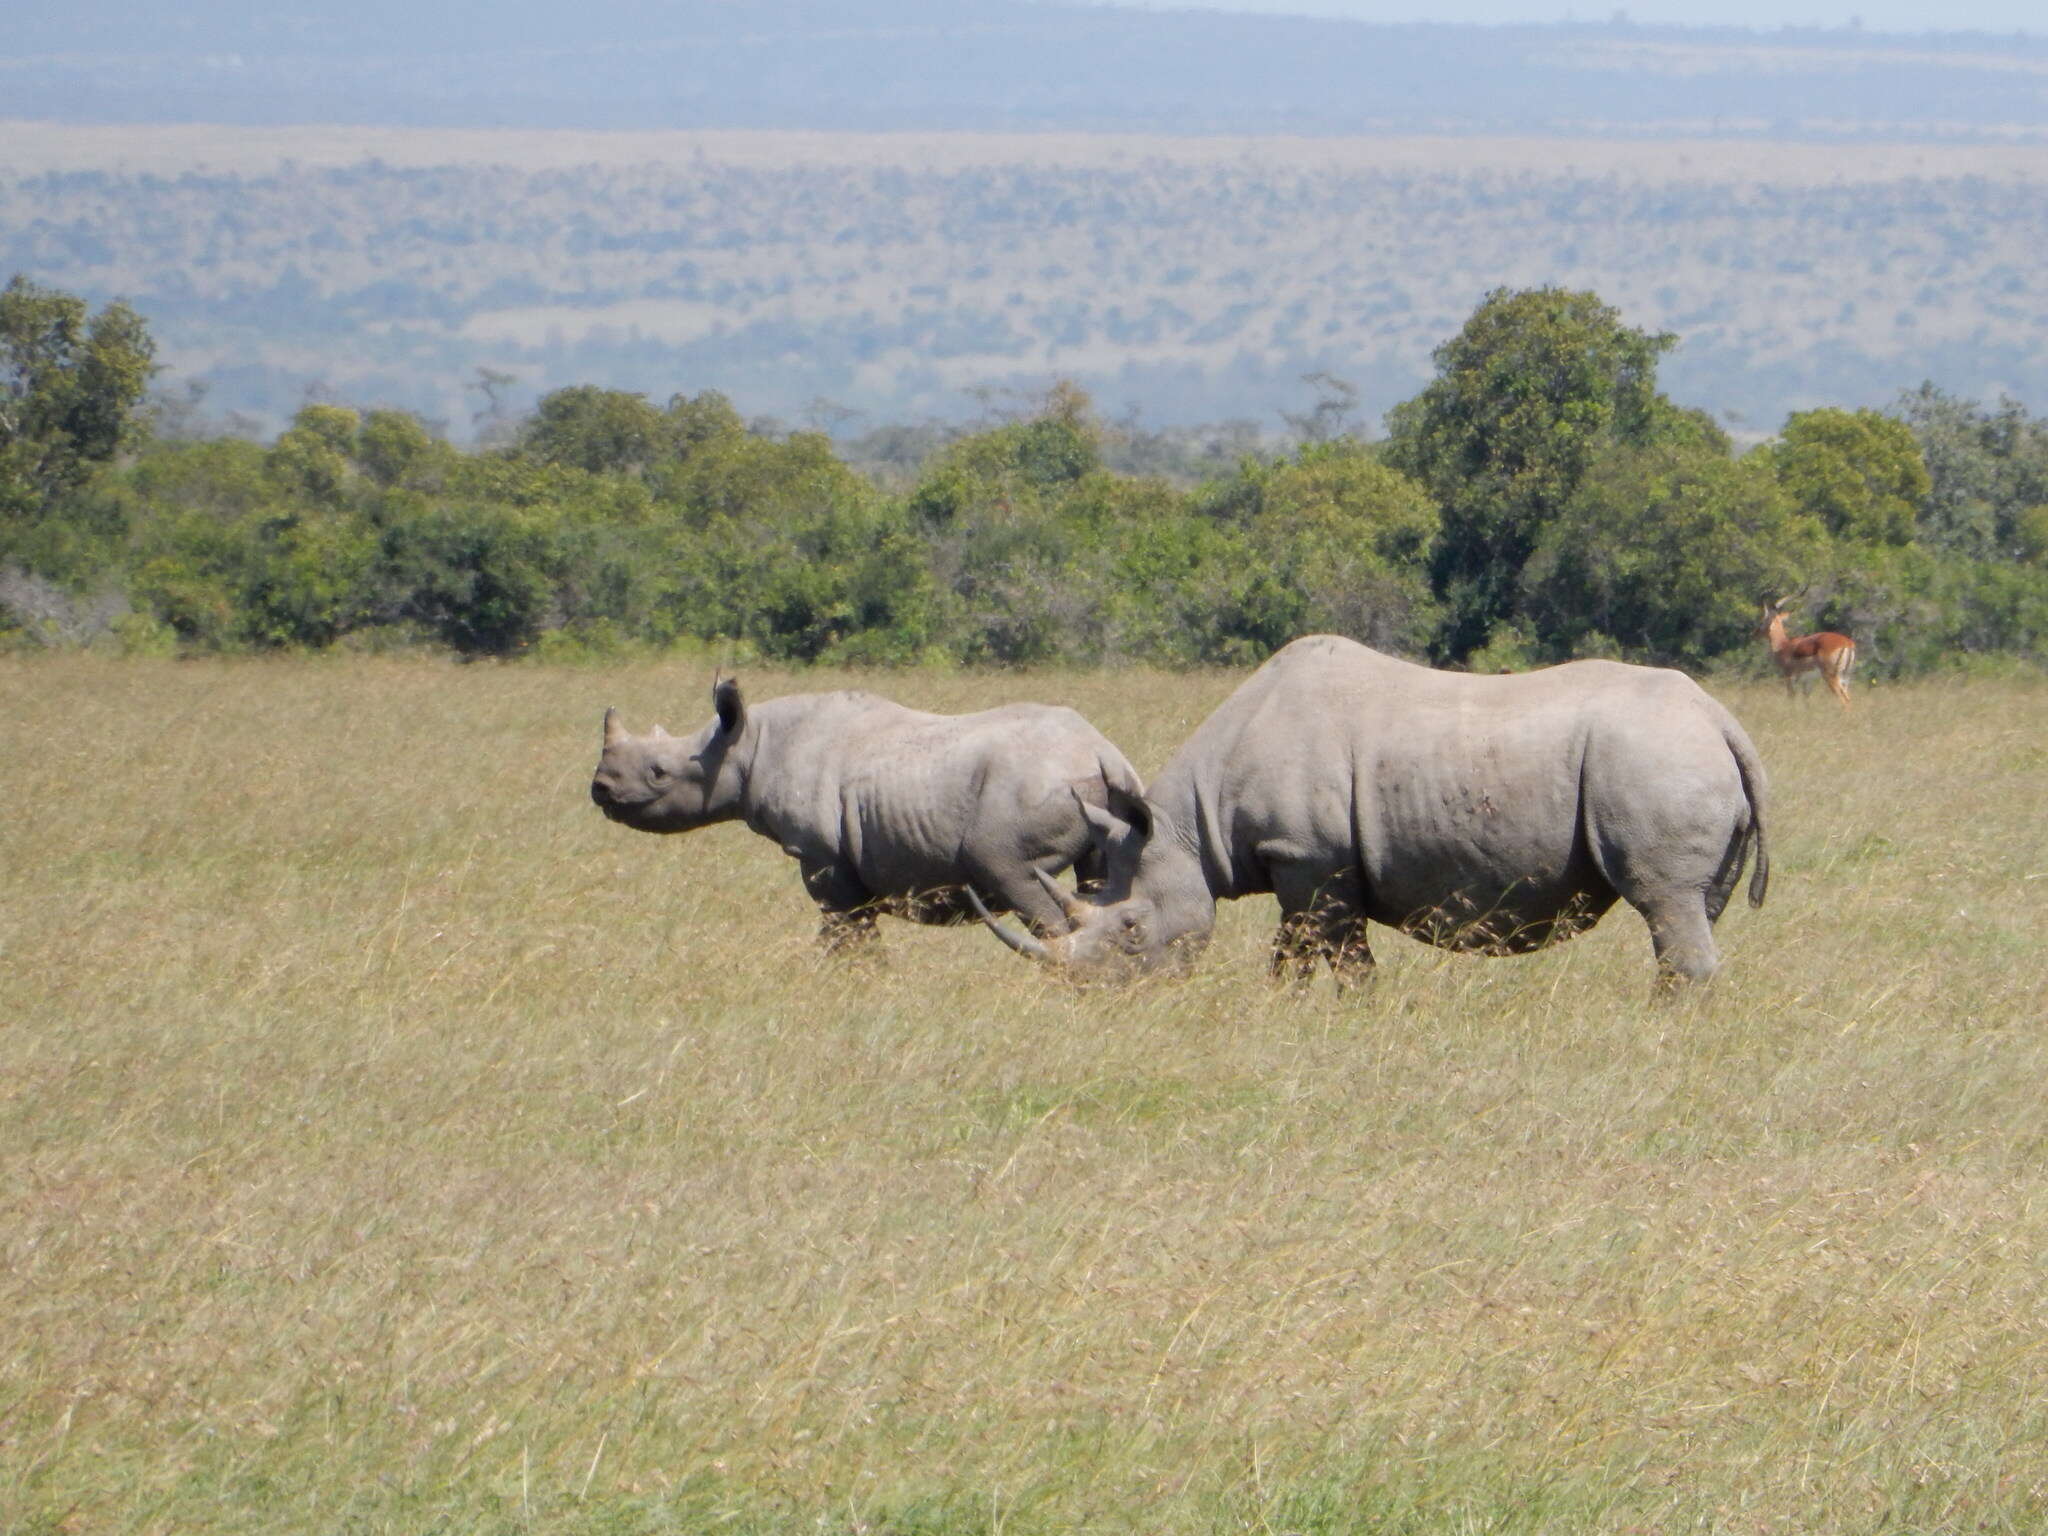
pixel 884 808
pixel 1493 814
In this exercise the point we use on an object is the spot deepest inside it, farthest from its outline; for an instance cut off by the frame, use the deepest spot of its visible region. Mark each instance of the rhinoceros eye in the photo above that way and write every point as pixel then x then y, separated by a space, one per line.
pixel 656 772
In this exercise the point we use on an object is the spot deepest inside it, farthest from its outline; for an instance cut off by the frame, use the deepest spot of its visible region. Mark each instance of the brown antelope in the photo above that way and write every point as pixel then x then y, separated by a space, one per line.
pixel 1825 652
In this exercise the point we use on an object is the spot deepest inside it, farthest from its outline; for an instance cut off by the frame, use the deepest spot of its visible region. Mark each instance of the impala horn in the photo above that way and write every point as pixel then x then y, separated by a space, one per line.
pixel 1023 943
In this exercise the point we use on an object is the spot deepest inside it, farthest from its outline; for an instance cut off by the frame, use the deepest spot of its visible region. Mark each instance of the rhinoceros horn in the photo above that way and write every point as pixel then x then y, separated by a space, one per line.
pixel 613 731
pixel 1023 943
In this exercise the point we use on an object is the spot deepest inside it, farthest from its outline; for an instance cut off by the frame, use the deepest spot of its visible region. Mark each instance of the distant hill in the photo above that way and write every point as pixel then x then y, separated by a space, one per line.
pixel 1190 279
pixel 994 65
pixel 887 204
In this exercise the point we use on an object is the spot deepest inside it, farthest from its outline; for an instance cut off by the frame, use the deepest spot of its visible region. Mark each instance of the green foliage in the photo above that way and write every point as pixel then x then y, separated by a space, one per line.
pixel 1062 442
pixel 693 420
pixel 1858 472
pixel 1525 397
pixel 390 445
pixel 2030 533
pixel 1539 500
pixel 1664 551
pixel 192 594
pixel 311 582
pixel 1348 533
pixel 478 577
pixel 599 430
pixel 311 459
pixel 1986 469
pixel 69 388
pixel 1912 610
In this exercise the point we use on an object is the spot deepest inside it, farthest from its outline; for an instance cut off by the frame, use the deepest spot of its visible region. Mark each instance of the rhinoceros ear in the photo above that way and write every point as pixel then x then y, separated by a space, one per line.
pixel 1130 803
pixel 1105 827
pixel 732 709
pixel 614 732
pixel 1139 814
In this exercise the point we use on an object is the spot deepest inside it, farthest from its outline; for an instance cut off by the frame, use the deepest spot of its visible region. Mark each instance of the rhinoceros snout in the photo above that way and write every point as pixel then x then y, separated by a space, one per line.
pixel 601 794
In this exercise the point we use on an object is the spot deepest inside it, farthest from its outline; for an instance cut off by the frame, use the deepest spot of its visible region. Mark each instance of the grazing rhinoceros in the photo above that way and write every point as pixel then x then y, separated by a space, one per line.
pixel 885 808
pixel 1495 814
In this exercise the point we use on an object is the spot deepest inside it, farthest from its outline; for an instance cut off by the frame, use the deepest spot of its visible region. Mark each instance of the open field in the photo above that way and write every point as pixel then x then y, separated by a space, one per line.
pixel 389 1144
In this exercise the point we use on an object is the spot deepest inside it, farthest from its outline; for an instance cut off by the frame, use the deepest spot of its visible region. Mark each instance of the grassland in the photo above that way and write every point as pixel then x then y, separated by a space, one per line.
pixel 389 1144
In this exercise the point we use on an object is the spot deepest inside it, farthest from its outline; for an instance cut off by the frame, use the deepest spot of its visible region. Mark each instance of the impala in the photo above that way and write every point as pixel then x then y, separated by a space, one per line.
pixel 1825 652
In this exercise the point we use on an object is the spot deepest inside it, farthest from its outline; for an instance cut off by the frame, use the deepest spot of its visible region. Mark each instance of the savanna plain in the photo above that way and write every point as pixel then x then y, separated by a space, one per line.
pixel 390 1144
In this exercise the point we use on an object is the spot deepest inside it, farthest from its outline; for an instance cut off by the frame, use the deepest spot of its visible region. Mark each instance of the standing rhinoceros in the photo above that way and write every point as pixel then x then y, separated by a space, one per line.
pixel 1495 814
pixel 884 808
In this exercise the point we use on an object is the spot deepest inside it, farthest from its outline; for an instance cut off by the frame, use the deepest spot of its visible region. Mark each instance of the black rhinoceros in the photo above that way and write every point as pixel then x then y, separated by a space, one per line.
pixel 1487 813
pixel 886 809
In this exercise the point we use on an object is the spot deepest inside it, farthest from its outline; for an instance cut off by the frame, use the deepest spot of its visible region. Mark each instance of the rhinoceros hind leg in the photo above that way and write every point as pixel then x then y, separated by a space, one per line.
pixel 1682 937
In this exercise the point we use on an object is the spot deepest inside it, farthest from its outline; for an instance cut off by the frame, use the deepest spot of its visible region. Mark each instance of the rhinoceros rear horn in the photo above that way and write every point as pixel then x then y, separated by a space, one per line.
pixel 1072 907
pixel 613 731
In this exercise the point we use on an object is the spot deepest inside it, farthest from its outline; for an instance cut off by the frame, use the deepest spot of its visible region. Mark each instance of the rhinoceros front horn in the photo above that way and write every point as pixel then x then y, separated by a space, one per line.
pixel 1023 943
pixel 613 731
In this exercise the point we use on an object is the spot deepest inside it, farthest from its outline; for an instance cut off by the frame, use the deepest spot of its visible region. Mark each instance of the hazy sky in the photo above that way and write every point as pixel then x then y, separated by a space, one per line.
pixel 1877 15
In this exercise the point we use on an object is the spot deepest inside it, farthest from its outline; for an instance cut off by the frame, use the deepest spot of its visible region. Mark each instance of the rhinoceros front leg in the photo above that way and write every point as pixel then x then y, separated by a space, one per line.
pixel 847 909
pixel 1322 918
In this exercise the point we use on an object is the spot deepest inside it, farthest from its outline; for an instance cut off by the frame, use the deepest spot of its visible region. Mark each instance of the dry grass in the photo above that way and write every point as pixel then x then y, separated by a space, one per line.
pixel 387 1143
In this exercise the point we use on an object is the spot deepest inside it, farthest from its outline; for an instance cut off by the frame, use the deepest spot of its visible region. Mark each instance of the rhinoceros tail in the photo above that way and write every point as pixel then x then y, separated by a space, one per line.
pixel 1751 767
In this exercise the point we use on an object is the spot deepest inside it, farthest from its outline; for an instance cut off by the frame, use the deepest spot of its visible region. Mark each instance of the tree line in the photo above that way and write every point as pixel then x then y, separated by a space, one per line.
pixel 1539 499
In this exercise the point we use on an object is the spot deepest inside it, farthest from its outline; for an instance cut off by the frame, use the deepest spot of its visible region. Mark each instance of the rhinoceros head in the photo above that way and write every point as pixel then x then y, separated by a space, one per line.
pixel 664 783
pixel 1153 912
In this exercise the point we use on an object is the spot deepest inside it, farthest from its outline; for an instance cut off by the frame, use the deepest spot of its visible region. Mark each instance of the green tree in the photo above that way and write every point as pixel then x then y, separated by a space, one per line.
pixel 312 457
pixel 1985 469
pixel 1015 471
pixel 603 431
pixel 1662 554
pixel 2030 532
pixel 1858 472
pixel 390 445
pixel 479 577
pixel 1348 533
pixel 69 389
pixel 1062 441
pixel 693 420
pixel 1526 395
